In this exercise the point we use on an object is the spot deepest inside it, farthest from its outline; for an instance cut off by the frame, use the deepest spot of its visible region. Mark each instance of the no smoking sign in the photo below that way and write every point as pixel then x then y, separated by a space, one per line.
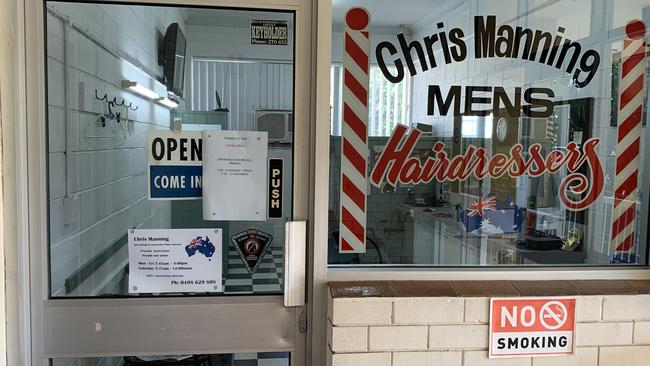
pixel 525 327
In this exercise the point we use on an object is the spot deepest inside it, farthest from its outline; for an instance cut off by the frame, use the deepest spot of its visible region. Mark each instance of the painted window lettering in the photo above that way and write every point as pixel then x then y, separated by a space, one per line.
pixel 396 165
pixel 503 41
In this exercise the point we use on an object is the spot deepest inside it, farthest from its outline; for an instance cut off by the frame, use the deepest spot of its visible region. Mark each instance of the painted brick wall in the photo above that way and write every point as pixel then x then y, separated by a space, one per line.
pixel 453 331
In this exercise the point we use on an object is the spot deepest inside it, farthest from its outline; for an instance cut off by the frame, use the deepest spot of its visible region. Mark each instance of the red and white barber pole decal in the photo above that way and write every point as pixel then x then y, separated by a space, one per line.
pixel 354 151
pixel 630 112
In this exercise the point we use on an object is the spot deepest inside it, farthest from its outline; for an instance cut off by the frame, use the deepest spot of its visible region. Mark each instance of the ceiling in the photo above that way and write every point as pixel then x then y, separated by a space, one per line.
pixel 388 12
pixel 229 18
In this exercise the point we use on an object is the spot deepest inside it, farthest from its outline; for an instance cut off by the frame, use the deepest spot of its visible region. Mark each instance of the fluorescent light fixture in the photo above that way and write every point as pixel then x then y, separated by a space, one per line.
pixel 167 102
pixel 139 89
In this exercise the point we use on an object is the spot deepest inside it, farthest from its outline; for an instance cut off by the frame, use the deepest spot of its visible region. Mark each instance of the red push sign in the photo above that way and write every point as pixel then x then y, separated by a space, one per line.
pixel 525 327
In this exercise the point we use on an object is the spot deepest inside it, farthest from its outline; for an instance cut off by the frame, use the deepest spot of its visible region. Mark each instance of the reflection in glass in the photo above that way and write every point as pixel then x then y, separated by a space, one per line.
pixel 116 72
pixel 471 103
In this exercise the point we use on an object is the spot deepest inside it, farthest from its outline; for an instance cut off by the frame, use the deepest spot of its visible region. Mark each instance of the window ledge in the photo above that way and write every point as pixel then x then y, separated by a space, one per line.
pixel 358 289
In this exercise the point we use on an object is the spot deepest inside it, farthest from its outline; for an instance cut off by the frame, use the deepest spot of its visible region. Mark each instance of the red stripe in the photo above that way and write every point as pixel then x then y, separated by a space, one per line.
pixel 345 246
pixel 633 60
pixel 354 193
pixel 623 220
pixel 627 244
pixel 358 126
pixel 631 91
pixel 366 34
pixel 625 188
pixel 629 123
pixel 356 88
pixel 358 55
pixel 354 157
pixel 626 157
pixel 352 224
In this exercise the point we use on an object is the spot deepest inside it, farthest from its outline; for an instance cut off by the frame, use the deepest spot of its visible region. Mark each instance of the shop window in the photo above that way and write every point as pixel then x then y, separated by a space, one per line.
pixel 539 90
pixel 387 104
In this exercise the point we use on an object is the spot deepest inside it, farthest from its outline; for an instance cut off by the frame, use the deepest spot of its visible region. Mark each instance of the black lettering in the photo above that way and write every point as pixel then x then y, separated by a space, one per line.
pixel 586 66
pixel 470 100
pixel 406 50
pixel 195 149
pixel 429 41
pixel 506 34
pixel 435 97
pixel 443 43
pixel 501 343
pixel 540 36
pixel 519 33
pixel 513 343
pixel 171 147
pixel 563 341
pixel 568 44
pixel 536 103
pixel 484 36
pixel 158 148
pixel 382 64
pixel 459 51
pixel 183 149
pixel 534 342
pixel 501 97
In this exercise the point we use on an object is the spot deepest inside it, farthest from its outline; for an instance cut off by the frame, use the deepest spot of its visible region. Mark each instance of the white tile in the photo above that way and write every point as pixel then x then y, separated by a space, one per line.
pixel 458 336
pixel 624 356
pixel 348 339
pixel 428 310
pixel 584 356
pixel 626 307
pixel 362 311
pixel 397 338
pixel 603 334
pixel 445 358
pixel 361 359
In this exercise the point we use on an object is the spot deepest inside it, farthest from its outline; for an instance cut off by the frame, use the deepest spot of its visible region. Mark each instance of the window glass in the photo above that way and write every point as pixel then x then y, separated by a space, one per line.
pixel 127 84
pixel 475 133
pixel 252 358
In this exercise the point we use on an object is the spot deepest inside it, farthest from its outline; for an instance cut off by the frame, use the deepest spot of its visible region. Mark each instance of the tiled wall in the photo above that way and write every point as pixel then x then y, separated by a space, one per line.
pixel 107 176
pixel 452 330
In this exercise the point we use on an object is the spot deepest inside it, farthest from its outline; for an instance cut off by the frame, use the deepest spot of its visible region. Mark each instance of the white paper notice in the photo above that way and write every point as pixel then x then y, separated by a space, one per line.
pixel 175 260
pixel 234 175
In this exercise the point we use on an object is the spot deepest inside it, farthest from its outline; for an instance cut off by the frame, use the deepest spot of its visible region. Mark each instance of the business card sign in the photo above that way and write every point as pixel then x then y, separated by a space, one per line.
pixel 175 260
pixel 269 32
pixel 529 327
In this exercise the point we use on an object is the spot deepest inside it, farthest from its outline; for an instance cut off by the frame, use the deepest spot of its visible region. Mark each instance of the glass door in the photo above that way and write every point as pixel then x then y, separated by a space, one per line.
pixel 167 182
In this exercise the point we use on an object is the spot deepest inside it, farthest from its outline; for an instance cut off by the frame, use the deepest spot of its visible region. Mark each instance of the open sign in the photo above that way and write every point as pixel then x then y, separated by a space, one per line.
pixel 525 327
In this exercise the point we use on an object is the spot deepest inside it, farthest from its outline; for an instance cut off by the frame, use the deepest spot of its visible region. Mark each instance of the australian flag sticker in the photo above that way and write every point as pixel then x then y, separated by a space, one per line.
pixel 203 246
pixel 252 245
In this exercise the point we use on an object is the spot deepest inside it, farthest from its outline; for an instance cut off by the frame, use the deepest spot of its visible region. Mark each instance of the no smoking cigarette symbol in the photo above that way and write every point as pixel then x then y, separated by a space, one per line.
pixel 556 314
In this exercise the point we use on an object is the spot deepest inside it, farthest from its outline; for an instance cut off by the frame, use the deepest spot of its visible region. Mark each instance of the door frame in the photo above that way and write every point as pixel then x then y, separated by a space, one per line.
pixel 105 327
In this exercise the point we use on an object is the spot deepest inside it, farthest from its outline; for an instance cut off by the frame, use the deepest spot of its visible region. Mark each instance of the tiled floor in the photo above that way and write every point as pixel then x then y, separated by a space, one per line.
pixel 262 359
pixel 267 278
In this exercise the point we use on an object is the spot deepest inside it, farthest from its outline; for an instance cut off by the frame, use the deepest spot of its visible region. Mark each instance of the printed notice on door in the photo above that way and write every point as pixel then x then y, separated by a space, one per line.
pixel 175 260
pixel 235 175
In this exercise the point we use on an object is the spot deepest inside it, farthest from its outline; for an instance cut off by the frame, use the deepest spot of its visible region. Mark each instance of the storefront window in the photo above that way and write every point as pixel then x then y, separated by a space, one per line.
pixel 488 134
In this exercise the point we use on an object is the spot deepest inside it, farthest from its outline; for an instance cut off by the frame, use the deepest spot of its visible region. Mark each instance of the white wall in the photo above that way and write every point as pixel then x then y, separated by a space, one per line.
pixel 108 181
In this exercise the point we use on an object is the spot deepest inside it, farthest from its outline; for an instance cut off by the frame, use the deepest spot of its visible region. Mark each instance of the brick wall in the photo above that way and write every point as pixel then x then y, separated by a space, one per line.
pixel 611 330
